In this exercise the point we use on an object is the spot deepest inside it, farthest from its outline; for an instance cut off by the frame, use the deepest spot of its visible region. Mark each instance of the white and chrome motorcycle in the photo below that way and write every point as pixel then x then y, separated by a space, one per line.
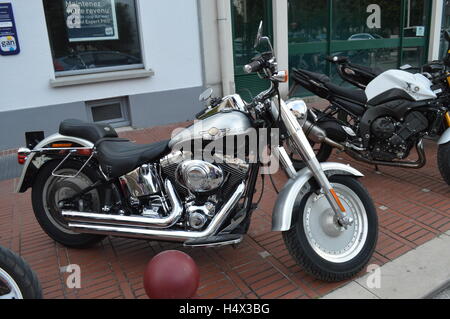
pixel 86 183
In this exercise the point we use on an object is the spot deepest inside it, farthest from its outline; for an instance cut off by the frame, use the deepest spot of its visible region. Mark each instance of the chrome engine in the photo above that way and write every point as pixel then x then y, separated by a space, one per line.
pixel 202 186
pixel 199 176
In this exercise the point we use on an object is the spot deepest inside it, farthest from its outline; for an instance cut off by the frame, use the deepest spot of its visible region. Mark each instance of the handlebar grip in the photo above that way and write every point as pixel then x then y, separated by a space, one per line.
pixel 253 67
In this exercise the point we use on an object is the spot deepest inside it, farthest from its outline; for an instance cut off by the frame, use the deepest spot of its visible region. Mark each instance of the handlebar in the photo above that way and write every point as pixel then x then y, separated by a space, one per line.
pixel 254 66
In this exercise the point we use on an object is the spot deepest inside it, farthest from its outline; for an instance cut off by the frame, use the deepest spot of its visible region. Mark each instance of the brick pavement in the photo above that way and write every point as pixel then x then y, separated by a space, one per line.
pixel 413 207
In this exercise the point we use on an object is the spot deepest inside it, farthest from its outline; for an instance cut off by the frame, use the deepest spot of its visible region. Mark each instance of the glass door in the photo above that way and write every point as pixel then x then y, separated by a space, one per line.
pixel 246 15
pixel 378 33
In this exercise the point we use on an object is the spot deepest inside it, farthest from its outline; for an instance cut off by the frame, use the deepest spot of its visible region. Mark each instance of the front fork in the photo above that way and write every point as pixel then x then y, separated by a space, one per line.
pixel 303 147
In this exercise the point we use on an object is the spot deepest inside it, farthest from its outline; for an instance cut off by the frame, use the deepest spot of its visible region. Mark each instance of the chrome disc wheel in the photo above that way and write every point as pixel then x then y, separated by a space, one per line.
pixel 328 239
pixel 8 287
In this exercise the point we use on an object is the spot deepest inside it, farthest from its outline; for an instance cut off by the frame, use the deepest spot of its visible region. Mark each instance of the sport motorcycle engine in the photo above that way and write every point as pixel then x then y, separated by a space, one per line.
pixel 392 139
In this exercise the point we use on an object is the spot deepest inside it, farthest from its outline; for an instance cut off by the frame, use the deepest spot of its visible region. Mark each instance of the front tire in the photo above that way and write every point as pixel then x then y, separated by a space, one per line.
pixel 323 248
pixel 48 190
pixel 17 280
pixel 444 161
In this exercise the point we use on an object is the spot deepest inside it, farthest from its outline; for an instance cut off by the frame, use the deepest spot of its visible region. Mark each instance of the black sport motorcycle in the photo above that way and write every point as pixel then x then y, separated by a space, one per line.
pixel 382 124
pixel 198 188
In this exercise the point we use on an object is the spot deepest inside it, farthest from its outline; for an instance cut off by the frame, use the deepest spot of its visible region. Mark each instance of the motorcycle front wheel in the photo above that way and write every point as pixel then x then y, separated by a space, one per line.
pixel 17 280
pixel 320 245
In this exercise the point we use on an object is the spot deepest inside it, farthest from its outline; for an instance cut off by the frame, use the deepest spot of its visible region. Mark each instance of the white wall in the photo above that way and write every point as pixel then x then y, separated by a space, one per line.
pixel 171 45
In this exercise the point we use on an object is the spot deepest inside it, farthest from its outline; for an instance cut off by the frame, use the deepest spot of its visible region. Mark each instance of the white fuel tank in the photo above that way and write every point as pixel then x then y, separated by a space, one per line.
pixel 416 85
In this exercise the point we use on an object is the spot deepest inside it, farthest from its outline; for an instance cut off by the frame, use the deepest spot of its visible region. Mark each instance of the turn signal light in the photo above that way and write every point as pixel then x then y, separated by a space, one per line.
pixel 281 76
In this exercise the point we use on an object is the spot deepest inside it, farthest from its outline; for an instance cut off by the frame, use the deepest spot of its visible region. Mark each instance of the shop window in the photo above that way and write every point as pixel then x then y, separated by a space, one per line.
pixel 111 111
pixel 92 36
pixel 445 26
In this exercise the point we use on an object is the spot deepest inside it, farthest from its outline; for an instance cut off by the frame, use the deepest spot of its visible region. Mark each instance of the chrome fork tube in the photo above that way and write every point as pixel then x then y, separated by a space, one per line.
pixel 302 145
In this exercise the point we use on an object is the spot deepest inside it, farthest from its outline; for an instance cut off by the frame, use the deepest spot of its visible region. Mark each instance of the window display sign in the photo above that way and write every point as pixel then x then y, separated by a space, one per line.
pixel 9 42
pixel 91 20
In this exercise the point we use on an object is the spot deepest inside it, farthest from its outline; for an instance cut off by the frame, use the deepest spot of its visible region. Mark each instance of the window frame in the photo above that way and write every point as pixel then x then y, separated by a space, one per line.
pixel 124 103
pixel 118 68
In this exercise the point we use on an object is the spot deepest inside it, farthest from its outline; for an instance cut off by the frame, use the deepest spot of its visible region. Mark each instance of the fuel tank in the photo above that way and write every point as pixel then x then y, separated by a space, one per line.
pixel 417 86
pixel 220 125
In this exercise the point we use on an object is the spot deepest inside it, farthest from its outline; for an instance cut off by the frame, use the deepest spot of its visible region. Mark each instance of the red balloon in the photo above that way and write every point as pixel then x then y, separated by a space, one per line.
pixel 171 275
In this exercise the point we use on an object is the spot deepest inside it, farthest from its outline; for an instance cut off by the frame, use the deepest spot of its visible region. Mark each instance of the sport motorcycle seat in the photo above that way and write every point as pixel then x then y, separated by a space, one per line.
pixel 88 131
pixel 300 74
pixel 355 95
pixel 118 157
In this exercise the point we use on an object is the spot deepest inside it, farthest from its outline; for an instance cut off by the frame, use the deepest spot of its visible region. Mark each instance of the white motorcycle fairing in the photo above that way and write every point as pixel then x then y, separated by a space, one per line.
pixel 416 85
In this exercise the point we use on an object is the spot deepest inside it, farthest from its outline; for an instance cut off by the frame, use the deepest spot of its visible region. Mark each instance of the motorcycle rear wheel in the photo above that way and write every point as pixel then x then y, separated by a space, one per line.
pixel 321 246
pixel 48 190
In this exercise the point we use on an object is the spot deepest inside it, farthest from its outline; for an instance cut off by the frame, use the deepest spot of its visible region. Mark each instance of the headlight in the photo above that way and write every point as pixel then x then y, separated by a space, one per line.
pixel 299 109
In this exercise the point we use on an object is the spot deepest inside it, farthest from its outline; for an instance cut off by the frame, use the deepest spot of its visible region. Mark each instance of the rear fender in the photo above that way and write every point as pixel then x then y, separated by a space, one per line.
pixel 37 158
pixel 445 138
pixel 297 188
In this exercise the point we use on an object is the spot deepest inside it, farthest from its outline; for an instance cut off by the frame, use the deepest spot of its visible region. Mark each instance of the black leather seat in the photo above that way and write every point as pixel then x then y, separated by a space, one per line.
pixel 88 131
pixel 118 157
pixel 355 95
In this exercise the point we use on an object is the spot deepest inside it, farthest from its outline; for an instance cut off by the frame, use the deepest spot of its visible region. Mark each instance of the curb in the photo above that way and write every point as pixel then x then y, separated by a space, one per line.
pixel 422 273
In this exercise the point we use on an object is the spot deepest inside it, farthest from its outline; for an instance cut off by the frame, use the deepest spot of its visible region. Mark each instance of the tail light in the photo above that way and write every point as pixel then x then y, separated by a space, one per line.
pixel 84 152
pixel 22 155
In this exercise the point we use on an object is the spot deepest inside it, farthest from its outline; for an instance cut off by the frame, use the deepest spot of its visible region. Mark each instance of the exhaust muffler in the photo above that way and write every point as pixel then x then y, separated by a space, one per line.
pixel 121 227
pixel 319 135
pixel 135 221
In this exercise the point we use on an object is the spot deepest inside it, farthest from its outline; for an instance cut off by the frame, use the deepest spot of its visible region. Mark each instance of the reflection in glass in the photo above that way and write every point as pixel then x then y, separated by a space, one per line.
pixel 80 57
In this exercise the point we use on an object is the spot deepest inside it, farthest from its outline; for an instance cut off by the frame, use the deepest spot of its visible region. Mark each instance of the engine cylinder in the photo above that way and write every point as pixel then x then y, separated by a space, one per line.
pixel 199 176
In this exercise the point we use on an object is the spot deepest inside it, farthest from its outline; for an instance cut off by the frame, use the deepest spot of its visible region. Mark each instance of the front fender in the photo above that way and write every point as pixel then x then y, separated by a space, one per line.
pixel 297 188
pixel 445 138
pixel 36 160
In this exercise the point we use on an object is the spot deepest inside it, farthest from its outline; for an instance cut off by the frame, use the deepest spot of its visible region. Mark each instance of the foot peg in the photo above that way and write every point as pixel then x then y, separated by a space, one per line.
pixel 215 241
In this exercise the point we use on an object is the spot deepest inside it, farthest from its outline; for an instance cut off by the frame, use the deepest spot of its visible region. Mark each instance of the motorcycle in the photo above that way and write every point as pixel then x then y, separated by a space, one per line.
pixel 87 183
pixel 381 125
pixel 17 279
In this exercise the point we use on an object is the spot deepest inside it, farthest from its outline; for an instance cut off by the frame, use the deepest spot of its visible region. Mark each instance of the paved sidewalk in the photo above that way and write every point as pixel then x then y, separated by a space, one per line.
pixel 419 274
pixel 413 207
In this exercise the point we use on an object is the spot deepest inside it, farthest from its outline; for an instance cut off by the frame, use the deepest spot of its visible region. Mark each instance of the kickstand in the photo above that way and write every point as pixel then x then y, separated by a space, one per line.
pixel 377 169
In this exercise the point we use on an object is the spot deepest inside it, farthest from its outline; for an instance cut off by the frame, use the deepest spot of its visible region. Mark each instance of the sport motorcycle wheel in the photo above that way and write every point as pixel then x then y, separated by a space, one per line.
pixel 444 161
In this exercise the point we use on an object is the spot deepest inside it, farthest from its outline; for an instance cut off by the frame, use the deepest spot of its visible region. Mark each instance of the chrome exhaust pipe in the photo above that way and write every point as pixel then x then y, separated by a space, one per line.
pixel 136 221
pixel 159 234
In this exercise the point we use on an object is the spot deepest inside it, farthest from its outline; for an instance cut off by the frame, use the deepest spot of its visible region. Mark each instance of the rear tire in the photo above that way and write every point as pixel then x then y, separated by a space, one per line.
pixel 444 161
pixel 47 216
pixel 326 259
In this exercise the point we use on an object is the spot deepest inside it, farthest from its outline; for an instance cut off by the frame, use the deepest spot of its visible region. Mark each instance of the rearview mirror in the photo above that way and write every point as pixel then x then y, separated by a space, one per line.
pixel 206 95
pixel 259 35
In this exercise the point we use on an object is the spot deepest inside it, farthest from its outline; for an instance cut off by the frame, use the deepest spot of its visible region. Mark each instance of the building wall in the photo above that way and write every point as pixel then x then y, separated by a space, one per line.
pixel 171 48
